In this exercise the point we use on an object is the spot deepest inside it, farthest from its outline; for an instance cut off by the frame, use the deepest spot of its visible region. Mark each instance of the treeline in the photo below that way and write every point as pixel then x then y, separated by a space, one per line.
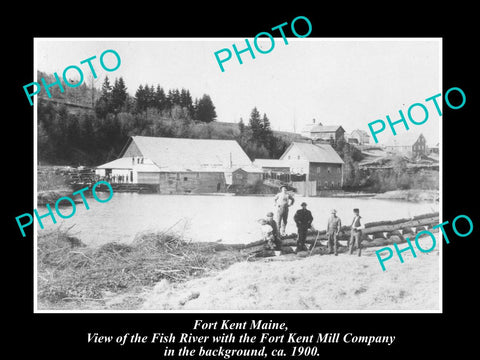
pixel 257 138
pixel 94 137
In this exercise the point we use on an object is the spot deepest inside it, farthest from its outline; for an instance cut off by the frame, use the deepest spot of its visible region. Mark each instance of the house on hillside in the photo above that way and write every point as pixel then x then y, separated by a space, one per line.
pixel 329 133
pixel 434 149
pixel 411 145
pixel 320 163
pixel 179 165
pixel 359 137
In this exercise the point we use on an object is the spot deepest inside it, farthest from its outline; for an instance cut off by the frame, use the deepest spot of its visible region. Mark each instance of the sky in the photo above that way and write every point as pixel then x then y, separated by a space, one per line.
pixel 337 81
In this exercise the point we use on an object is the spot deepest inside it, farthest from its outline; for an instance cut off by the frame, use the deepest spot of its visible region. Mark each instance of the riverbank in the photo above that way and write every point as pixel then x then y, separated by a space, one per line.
pixel 412 195
pixel 160 271
pixel 74 276
pixel 314 283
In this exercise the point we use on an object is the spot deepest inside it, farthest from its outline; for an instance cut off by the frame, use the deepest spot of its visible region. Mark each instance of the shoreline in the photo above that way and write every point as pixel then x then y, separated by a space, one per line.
pixel 412 195
pixel 73 276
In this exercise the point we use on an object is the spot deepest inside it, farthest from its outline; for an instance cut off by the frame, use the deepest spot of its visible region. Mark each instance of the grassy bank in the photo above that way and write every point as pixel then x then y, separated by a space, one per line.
pixel 74 276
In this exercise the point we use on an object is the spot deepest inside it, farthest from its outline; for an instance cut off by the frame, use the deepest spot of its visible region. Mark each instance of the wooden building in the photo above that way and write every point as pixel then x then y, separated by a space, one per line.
pixel 180 165
pixel 319 162
pixel 359 137
pixel 411 145
pixel 325 133
pixel 247 175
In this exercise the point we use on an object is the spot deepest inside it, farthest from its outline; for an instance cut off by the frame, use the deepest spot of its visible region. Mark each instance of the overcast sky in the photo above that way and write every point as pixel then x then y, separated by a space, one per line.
pixel 348 82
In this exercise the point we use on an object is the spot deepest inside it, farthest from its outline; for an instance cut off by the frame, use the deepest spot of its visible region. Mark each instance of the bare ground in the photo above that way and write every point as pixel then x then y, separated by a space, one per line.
pixel 344 282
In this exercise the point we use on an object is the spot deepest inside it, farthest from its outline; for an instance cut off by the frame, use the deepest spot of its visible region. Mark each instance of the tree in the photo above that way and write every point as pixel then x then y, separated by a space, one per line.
pixel 241 127
pixel 256 126
pixel 205 111
pixel 186 101
pixel 119 96
pixel 103 105
pixel 140 99
pixel 106 88
pixel 160 98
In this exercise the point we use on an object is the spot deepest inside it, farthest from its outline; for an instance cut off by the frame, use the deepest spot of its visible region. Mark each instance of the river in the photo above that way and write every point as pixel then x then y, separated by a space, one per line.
pixel 231 219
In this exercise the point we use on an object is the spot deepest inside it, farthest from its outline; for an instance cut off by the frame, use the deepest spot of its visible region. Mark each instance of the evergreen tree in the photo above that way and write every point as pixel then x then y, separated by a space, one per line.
pixel 186 101
pixel 241 127
pixel 103 105
pixel 256 126
pixel 106 88
pixel 160 98
pixel 140 99
pixel 119 96
pixel 205 109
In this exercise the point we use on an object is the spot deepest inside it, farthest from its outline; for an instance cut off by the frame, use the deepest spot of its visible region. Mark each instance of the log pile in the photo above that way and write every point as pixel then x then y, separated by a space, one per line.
pixel 379 233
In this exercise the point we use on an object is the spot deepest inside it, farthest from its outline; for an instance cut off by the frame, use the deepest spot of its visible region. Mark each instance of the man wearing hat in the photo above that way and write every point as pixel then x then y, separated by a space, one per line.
pixel 303 218
pixel 276 239
pixel 333 228
pixel 356 232
pixel 283 201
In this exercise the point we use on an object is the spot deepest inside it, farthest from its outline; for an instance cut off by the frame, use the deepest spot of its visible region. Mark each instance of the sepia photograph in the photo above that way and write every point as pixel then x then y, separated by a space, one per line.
pixel 274 174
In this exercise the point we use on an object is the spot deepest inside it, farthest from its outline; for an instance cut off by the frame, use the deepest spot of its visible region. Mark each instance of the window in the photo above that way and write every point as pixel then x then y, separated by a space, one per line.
pixel 198 175
pixel 318 170
pixel 178 176
pixel 298 157
pixel 185 179
pixel 328 169
pixel 288 157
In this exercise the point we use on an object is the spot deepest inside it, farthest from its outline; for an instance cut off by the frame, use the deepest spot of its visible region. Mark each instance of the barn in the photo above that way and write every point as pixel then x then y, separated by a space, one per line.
pixel 179 165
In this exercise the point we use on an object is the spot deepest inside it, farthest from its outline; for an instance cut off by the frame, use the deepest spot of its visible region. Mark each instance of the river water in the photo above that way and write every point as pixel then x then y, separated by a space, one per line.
pixel 231 219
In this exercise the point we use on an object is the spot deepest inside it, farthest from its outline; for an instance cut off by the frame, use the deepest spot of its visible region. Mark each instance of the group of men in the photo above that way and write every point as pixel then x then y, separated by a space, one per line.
pixel 274 228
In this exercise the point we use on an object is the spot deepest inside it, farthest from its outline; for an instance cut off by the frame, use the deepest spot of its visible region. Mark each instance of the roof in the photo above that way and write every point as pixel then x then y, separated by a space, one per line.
pixel 193 154
pixel 122 163
pixel 126 163
pixel 249 169
pixel 271 163
pixel 360 132
pixel 326 128
pixel 319 153
pixel 403 139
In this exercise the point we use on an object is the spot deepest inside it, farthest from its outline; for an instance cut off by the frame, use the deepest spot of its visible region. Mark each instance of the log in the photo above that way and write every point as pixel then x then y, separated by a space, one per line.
pixel 380 233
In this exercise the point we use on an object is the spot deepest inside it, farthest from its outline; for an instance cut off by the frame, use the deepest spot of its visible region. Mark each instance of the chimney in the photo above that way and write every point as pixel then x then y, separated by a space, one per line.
pixel 313 121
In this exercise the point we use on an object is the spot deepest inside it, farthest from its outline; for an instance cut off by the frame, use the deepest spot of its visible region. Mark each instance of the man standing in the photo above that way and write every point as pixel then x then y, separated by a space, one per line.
pixel 282 202
pixel 303 218
pixel 356 232
pixel 333 228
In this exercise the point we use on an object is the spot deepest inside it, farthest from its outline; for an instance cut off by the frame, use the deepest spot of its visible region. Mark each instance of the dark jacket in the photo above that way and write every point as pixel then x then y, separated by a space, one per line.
pixel 303 218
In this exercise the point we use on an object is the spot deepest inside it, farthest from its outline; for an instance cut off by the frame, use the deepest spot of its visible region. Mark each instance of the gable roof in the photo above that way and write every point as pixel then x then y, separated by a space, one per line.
pixel 126 163
pixel 190 153
pixel 320 153
pixel 403 139
pixel 360 132
pixel 326 128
